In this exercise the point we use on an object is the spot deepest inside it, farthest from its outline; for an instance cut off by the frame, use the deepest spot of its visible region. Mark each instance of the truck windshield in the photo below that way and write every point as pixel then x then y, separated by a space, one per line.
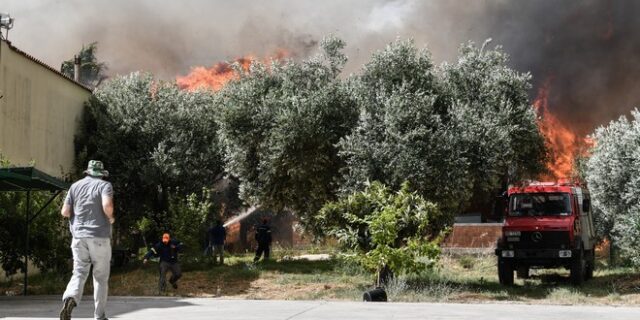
pixel 540 204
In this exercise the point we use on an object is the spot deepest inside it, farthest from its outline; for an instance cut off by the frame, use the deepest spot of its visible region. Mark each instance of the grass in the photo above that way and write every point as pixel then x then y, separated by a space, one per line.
pixel 474 279
pixel 469 278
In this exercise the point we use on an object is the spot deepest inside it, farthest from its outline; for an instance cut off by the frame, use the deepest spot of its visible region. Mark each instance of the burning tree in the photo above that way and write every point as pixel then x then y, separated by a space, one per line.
pixel 564 145
pixel 218 75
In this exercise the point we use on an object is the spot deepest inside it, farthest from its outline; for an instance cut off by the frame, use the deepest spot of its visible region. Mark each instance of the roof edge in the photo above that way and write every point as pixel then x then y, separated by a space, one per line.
pixel 50 68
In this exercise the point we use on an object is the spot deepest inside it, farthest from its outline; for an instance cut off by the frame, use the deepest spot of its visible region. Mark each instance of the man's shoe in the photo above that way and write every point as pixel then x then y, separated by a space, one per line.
pixel 174 284
pixel 69 304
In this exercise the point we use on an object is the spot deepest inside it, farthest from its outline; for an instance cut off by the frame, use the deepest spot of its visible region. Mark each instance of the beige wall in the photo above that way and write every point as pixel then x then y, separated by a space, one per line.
pixel 39 113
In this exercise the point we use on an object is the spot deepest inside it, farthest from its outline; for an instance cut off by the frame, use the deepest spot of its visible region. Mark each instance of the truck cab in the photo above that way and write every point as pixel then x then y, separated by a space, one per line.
pixel 547 225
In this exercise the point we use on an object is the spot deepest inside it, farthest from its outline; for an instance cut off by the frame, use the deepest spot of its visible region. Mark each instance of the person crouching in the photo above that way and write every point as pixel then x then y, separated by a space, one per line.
pixel 167 250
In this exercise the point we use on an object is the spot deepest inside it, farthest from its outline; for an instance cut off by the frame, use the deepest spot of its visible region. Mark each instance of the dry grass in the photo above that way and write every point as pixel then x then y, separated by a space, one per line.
pixel 470 278
pixel 474 279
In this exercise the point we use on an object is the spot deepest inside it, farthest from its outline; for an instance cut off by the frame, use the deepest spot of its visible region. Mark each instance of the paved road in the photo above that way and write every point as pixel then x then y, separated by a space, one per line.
pixel 201 308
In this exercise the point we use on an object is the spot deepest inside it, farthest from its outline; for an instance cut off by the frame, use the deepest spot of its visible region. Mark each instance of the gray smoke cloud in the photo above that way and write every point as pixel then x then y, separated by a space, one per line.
pixel 587 49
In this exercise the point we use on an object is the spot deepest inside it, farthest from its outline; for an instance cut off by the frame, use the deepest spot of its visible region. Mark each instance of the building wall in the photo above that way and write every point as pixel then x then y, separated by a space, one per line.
pixel 39 112
pixel 473 235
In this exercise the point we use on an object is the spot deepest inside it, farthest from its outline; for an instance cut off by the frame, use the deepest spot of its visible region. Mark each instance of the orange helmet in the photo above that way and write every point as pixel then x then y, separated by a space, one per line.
pixel 166 237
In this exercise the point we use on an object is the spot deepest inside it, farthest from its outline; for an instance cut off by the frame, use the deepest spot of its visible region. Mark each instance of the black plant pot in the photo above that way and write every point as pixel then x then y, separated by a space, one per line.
pixel 375 295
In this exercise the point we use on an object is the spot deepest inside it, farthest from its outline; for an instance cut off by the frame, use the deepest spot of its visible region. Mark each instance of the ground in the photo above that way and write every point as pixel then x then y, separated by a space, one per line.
pixel 211 308
pixel 455 279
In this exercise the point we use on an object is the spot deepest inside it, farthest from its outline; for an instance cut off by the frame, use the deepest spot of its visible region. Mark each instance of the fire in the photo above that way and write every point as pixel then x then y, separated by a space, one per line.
pixel 563 143
pixel 216 76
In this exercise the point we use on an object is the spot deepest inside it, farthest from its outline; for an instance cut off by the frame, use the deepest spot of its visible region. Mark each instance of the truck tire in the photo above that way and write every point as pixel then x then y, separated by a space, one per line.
pixel 591 265
pixel 505 272
pixel 578 269
pixel 523 273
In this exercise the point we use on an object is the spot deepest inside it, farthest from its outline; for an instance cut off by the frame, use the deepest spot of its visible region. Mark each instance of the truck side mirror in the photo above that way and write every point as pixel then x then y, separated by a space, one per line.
pixel 586 205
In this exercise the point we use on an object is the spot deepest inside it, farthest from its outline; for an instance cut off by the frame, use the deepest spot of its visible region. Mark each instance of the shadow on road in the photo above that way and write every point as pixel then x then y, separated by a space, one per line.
pixel 49 306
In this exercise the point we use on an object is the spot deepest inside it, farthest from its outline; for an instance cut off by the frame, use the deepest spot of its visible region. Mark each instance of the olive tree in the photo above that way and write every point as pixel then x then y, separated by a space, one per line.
pixel 613 175
pixel 155 139
pixel 451 131
pixel 279 126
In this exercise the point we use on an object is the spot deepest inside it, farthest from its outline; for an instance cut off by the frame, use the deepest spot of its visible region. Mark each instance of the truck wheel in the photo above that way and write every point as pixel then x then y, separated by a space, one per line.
pixel 578 268
pixel 591 265
pixel 523 272
pixel 505 272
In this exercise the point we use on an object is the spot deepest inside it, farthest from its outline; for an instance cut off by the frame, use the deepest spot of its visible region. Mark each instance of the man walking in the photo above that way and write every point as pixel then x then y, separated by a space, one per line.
pixel 89 207
pixel 167 250
pixel 263 237
pixel 217 236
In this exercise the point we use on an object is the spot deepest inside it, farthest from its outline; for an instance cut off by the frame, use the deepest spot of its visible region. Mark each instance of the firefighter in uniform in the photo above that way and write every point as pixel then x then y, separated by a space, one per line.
pixel 263 237
pixel 167 250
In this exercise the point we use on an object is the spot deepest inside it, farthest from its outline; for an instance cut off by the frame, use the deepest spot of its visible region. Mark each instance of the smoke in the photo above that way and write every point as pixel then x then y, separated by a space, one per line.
pixel 587 49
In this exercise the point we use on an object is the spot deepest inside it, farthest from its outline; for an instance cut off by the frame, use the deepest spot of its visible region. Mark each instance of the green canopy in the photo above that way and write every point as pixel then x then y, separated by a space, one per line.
pixel 28 179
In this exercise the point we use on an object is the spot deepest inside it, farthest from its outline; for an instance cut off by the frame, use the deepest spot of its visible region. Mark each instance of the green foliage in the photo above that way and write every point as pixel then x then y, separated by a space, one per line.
pixel 613 175
pixel 186 219
pixel 91 71
pixel 279 127
pixel 453 131
pixel 491 114
pixel 296 135
pixel 48 234
pixel 384 228
pixel 156 140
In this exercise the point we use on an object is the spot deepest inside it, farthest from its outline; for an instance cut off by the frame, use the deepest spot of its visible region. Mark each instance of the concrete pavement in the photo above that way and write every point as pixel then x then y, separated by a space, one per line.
pixel 203 308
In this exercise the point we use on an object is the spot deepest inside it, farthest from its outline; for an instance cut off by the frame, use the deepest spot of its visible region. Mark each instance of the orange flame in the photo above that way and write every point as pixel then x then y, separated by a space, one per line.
pixel 563 143
pixel 218 75
pixel 214 77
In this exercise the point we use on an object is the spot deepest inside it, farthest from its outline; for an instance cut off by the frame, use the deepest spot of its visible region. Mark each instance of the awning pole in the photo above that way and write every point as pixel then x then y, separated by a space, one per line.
pixel 26 241
pixel 45 206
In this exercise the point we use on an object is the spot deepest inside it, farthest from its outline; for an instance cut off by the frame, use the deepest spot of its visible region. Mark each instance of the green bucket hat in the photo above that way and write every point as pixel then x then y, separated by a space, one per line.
pixel 96 169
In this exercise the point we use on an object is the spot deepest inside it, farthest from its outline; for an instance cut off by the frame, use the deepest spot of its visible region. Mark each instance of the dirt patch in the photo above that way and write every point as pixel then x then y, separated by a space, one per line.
pixel 270 288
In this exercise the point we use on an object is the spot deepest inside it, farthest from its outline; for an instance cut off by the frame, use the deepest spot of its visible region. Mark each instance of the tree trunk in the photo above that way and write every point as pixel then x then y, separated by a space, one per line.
pixel 385 274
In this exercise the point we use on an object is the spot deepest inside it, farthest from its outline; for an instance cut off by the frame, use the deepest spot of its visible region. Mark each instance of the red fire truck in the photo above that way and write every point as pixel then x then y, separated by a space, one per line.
pixel 547 225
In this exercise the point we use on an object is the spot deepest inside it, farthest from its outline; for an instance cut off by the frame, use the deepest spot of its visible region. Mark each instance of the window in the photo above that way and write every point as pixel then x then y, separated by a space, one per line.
pixel 540 204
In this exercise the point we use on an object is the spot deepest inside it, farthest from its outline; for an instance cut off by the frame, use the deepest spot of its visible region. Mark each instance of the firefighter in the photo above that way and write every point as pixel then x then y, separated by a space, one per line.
pixel 217 236
pixel 167 250
pixel 263 237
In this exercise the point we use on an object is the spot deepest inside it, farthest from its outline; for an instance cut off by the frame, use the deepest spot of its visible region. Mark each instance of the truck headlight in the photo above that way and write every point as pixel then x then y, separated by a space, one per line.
pixel 512 233
pixel 564 253
pixel 508 254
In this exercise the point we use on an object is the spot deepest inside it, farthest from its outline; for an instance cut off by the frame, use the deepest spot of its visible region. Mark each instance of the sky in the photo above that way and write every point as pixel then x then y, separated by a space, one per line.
pixel 587 50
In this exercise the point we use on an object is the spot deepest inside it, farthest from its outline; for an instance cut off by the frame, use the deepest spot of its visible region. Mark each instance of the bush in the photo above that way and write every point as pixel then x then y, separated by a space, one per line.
pixel 385 228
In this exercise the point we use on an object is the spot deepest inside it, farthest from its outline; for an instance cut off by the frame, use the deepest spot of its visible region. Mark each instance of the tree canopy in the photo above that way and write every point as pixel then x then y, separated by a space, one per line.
pixel 451 131
pixel 279 126
pixel 297 134
pixel 613 175
pixel 155 139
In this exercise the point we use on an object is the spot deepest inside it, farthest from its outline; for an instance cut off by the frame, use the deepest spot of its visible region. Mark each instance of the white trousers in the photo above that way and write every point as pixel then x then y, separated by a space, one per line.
pixel 88 252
